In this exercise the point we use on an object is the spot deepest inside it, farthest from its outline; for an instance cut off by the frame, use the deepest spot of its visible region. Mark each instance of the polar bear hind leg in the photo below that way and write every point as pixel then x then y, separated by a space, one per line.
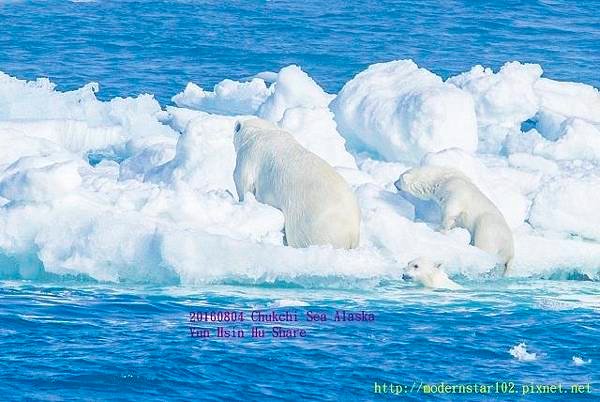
pixel 329 228
pixel 492 235
pixel 244 183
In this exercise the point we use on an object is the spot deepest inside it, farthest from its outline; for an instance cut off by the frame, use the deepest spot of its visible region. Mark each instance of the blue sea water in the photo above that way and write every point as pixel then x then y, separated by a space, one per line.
pixel 153 46
pixel 75 339
pixel 72 341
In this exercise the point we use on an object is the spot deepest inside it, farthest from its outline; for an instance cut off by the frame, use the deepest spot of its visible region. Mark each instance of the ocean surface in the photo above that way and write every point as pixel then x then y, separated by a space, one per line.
pixel 69 341
pixel 72 338
pixel 131 47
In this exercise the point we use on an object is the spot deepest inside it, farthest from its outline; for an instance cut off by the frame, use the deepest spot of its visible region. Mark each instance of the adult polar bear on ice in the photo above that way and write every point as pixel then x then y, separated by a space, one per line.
pixel 318 206
pixel 463 205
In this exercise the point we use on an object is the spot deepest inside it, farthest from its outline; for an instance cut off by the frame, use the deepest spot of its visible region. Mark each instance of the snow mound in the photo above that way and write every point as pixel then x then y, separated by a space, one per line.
pixel 293 88
pixel 569 205
pixel 577 140
pixel 228 97
pixel 299 105
pixel 503 100
pixel 401 112
pixel 561 100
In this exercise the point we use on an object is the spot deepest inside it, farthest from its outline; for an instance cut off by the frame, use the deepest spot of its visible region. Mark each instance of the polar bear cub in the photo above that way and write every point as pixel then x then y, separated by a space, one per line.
pixel 463 205
pixel 318 206
pixel 429 274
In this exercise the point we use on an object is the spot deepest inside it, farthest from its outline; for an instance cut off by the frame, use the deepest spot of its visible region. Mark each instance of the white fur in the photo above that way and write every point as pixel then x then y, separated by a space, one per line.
pixel 318 205
pixel 463 205
pixel 429 274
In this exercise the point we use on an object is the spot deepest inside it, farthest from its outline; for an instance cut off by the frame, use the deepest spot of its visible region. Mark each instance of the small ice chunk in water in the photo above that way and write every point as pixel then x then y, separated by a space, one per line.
pixel 520 353
pixel 578 361
pixel 288 303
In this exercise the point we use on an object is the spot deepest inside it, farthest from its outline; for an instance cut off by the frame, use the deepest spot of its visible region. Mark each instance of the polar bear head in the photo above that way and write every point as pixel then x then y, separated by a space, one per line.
pixel 254 123
pixel 428 274
pixel 423 181
pixel 421 269
pixel 245 130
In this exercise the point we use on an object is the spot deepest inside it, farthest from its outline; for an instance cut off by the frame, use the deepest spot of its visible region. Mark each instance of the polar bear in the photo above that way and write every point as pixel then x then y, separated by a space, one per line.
pixel 462 205
pixel 318 206
pixel 429 274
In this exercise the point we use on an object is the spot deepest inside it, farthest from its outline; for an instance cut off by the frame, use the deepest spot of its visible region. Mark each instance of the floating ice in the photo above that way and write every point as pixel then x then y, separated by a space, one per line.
pixel 127 191
pixel 520 353
pixel 579 361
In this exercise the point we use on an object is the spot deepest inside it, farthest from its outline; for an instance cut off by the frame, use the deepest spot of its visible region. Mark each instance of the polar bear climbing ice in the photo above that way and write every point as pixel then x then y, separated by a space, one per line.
pixel 463 205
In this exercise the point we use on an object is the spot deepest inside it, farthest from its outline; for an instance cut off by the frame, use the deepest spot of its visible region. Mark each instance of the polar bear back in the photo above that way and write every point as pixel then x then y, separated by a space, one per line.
pixel 318 205
pixel 461 193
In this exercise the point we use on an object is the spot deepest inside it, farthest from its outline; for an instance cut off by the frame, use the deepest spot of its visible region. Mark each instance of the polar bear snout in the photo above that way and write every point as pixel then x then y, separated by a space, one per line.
pixel 417 268
pixel 237 127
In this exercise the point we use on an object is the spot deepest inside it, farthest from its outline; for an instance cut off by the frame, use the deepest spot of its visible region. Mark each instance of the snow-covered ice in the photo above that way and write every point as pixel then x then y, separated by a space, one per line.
pixel 401 112
pixel 134 191
pixel 503 100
